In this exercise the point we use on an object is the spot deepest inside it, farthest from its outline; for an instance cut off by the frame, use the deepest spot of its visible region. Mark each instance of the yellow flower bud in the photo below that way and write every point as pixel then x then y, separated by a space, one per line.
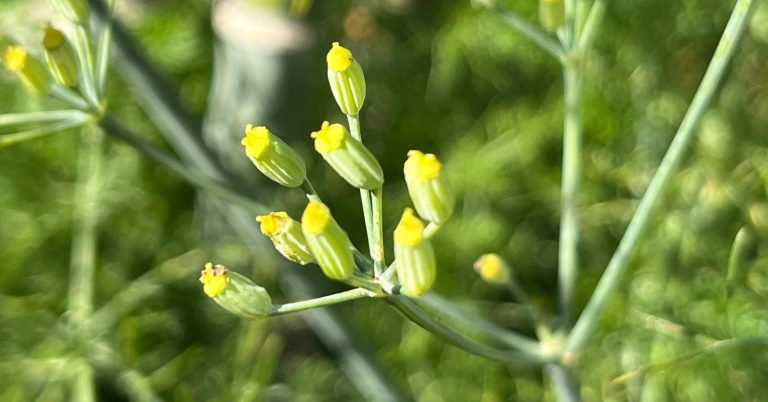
pixel 429 191
pixel 492 269
pixel 28 69
pixel 287 236
pixel 61 58
pixel 329 243
pixel 234 292
pixel 273 157
pixel 346 79
pixel 551 14
pixel 414 256
pixel 348 156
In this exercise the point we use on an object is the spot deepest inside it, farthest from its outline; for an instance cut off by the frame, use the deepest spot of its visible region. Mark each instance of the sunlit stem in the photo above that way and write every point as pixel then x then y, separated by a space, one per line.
pixel 359 293
pixel 365 197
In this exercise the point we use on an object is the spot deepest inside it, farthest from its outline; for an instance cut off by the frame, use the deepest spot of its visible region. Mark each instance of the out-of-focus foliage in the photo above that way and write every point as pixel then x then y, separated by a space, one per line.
pixel 444 78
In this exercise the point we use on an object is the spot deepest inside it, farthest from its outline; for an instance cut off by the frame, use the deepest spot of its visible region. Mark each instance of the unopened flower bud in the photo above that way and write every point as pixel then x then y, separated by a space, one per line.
pixel 551 14
pixel 273 157
pixel 61 58
pixel 287 236
pixel 429 191
pixel 28 69
pixel 492 269
pixel 414 256
pixel 348 156
pixel 346 78
pixel 329 243
pixel 234 292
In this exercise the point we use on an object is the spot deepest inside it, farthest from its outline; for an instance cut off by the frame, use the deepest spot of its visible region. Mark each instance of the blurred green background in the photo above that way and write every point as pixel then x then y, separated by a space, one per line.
pixel 442 77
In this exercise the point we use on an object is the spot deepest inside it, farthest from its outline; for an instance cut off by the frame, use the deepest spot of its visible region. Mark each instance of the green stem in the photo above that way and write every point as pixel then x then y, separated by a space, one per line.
pixel 570 23
pixel 365 198
pixel 669 165
pixel 69 97
pixel 379 264
pixel 309 190
pixel 589 30
pixel 431 230
pixel 13 119
pixel 359 293
pixel 569 223
pixel 105 43
pixel 565 384
pixel 38 132
pixel 83 260
pixel 413 313
pixel 531 32
pixel 116 130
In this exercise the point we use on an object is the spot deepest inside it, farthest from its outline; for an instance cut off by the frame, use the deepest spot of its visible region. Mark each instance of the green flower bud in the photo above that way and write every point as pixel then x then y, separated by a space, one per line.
pixel 429 191
pixel 493 269
pixel 61 58
pixel 28 69
pixel 551 14
pixel 273 157
pixel 74 10
pixel 236 293
pixel 329 243
pixel 287 236
pixel 346 79
pixel 348 156
pixel 414 257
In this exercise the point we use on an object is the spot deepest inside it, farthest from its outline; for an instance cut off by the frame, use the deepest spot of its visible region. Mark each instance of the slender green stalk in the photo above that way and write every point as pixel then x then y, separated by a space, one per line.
pixel 69 97
pixel 14 119
pixel 102 55
pixel 472 322
pixel 84 51
pixel 83 261
pixel 116 130
pixel 737 260
pixel 365 198
pixel 571 9
pixel 309 190
pixel 565 385
pixel 533 33
pixel 591 26
pixel 358 293
pixel 569 223
pixel 379 264
pixel 50 129
pixel 669 165
pixel 431 230
pixel 415 314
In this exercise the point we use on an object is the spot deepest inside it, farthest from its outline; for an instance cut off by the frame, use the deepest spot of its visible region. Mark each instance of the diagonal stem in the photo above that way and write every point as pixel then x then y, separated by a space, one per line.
pixel 533 33
pixel 669 165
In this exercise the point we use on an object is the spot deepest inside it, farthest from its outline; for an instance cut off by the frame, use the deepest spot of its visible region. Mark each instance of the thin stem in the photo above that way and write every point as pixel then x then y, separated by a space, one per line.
pixel 69 97
pixel 472 322
pixel 365 198
pixel 116 130
pixel 378 232
pixel 84 51
pixel 590 28
pixel 358 293
pixel 13 119
pixel 669 165
pixel 569 223
pixel 533 33
pixel 102 55
pixel 83 260
pixel 38 132
pixel 565 385
pixel 570 23
pixel 431 230
pixel 413 313
pixel 309 190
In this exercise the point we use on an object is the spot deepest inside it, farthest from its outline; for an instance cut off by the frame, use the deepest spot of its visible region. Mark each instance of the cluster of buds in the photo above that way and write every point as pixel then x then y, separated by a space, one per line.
pixel 62 63
pixel 318 238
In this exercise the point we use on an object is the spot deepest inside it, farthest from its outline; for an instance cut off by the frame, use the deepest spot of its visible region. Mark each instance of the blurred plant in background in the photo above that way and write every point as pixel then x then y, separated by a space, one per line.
pixel 96 296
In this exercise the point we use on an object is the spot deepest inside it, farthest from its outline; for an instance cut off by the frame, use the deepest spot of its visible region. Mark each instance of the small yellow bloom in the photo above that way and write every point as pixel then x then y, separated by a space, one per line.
pixel 62 60
pixel 346 78
pixel 329 243
pixel 287 236
pixel 329 138
pixel 492 269
pixel 315 218
pixel 214 279
pixel 273 157
pixel 339 58
pixel 256 140
pixel 15 58
pixel 410 230
pixel 430 192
